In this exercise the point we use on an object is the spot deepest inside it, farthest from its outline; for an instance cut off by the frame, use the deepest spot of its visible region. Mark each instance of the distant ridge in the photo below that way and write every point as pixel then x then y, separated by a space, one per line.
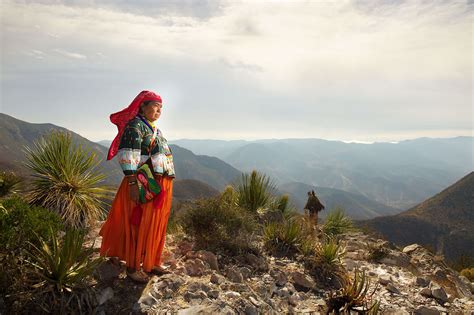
pixel 356 206
pixel 399 175
pixel 15 134
pixel 444 222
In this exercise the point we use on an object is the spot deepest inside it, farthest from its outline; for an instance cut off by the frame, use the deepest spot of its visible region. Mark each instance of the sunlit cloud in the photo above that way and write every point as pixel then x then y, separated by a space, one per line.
pixel 344 69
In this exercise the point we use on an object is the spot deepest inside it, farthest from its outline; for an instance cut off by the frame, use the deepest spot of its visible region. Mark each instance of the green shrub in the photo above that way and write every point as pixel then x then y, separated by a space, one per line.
pixel 353 297
pixel 66 180
pixel 19 222
pixel 326 262
pixel 286 238
pixel 60 270
pixel 254 191
pixel 337 223
pixel 9 183
pixel 218 224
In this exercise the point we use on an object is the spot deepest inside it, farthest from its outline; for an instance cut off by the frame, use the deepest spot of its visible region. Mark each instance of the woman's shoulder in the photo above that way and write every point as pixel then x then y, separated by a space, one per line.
pixel 136 123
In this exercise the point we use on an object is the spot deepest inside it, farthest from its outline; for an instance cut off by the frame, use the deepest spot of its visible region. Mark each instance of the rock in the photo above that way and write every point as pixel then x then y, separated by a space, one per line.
pixel 171 281
pixel 438 293
pixel 184 247
pixel 108 271
pixel 246 272
pixel 424 310
pixel 439 273
pixel 254 301
pixel 214 294
pixel 250 309
pixel 238 287
pixel 280 277
pixel 105 295
pixel 294 299
pixel 198 286
pixel 422 282
pixel 390 287
pixel 259 263
pixel 426 292
pixel 188 296
pixel 232 294
pixel 395 311
pixel 396 259
pixel 410 248
pixel 147 300
pixel 350 264
pixel 221 309
pixel 217 279
pixel 264 290
pixel 209 258
pixel 283 292
pixel 302 280
pixel 195 267
pixel 234 275
pixel 385 279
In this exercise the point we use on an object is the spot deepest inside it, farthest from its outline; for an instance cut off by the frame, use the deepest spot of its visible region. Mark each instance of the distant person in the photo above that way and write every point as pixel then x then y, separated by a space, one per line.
pixel 313 205
pixel 135 229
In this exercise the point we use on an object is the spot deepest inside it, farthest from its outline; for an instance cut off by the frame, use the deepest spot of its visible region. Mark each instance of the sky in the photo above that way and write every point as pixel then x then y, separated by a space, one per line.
pixel 339 70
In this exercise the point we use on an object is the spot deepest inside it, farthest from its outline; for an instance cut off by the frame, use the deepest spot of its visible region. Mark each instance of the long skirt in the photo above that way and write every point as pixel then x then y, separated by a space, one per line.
pixel 138 245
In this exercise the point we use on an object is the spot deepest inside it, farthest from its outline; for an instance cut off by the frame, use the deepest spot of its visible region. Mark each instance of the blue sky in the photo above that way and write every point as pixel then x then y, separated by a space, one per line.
pixel 346 70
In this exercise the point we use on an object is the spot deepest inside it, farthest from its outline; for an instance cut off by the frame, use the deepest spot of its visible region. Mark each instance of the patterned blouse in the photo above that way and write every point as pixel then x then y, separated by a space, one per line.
pixel 134 149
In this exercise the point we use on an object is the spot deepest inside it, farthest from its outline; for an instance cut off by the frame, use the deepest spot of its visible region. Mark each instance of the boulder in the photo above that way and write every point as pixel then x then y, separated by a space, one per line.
pixel 195 267
pixel 303 281
pixel 234 275
pixel 210 258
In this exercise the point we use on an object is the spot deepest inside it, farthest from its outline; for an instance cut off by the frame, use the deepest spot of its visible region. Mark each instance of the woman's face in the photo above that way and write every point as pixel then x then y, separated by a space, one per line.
pixel 152 111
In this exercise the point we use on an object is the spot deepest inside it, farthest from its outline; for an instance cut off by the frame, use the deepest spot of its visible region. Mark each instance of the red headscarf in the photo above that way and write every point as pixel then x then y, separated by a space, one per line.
pixel 125 115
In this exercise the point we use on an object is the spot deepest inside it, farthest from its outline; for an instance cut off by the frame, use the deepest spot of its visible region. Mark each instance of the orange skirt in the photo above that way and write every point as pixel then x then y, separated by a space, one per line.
pixel 142 244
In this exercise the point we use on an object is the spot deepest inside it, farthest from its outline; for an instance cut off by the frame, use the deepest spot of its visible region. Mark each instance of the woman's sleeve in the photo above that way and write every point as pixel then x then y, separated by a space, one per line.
pixel 129 151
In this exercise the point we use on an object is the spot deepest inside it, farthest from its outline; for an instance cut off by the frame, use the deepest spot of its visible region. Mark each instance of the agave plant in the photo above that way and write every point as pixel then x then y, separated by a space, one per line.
pixel 284 238
pixel 354 297
pixel 337 223
pixel 66 180
pixel 62 269
pixel 254 191
pixel 326 262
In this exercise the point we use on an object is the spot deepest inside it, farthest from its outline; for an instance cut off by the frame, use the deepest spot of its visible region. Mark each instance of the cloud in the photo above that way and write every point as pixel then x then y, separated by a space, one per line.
pixel 320 69
pixel 69 54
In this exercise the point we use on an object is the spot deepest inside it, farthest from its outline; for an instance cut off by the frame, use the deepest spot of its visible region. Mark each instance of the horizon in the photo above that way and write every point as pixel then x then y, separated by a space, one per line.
pixel 348 71
pixel 256 139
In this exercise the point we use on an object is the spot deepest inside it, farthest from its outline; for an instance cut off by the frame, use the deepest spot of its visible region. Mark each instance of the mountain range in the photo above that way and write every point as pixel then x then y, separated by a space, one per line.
pixel 16 134
pixel 443 222
pixel 399 175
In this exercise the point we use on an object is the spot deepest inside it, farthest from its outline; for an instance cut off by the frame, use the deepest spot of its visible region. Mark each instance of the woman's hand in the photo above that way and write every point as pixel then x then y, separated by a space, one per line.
pixel 133 187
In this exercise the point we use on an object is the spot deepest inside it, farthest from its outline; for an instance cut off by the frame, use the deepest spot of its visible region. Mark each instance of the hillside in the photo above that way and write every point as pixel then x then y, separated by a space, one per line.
pixel 356 206
pixel 15 134
pixel 444 222
pixel 204 170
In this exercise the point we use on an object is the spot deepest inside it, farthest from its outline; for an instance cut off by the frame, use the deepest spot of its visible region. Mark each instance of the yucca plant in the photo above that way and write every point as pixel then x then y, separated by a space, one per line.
pixel 337 223
pixel 62 268
pixel 9 183
pixel 66 180
pixel 254 191
pixel 283 238
pixel 326 262
pixel 354 297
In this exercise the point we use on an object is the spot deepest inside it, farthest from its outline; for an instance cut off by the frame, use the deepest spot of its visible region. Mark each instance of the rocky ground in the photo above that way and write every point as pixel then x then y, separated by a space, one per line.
pixel 406 281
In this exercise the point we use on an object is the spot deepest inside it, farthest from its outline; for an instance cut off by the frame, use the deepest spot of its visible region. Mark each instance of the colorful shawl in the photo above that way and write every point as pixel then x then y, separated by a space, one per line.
pixel 125 115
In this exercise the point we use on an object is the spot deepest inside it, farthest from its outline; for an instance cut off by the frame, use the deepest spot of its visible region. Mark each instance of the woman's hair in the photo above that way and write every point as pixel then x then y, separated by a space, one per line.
pixel 143 105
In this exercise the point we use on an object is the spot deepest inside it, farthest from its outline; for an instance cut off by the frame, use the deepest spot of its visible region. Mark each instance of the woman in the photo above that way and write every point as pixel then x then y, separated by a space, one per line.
pixel 135 230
